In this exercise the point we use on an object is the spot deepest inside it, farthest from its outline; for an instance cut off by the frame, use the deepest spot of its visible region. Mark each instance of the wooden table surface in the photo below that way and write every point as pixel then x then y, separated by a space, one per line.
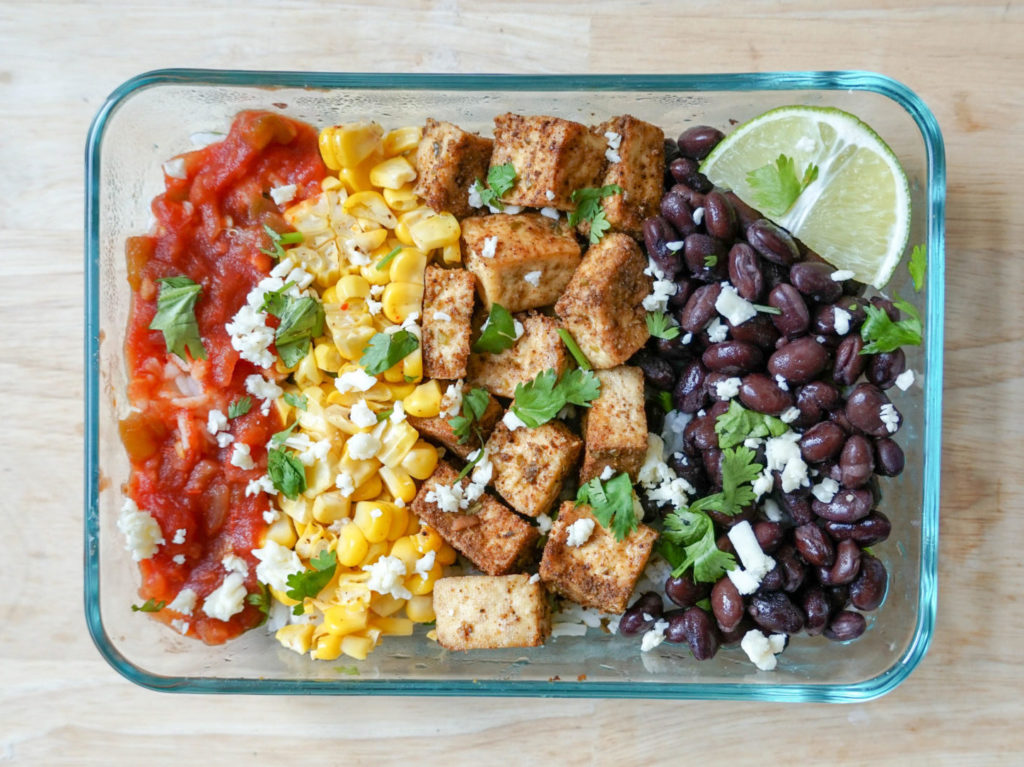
pixel 59 701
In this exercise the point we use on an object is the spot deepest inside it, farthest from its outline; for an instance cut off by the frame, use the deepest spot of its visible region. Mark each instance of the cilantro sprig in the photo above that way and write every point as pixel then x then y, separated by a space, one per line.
pixel 588 208
pixel 311 582
pixel 297 401
pixel 538 401
pixel 738 472
pixel 660 325
pixel 261 599
pixel 611 503
pixel 777 185
pixel 917 266
pixel 278 240
pixel 300 321
pixel 176 317
pixel 149 606
pixel 499 332
pixel 386 350
pixel 574 348
pixel 688 541
pixel 286 472
pixel 383 263
pixel 737 424
pixel 474 405
pixel 240 407
pixel 500 179
pixel 881 334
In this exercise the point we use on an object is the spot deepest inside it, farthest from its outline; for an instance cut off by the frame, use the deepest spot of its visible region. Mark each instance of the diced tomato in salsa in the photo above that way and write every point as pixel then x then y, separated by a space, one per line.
pixel 209 228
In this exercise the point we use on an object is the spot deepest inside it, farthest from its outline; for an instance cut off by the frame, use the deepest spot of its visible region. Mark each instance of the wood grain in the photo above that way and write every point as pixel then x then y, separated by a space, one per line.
pixel 59 701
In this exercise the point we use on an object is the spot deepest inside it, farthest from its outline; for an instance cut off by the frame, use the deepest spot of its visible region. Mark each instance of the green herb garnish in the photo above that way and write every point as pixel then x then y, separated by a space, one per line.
pixel 382 264
pixel 538 401
pixel 499 332
pixel 386 350
pixel 297 401
pixel 737 424
pixel 286 472
pixel 776 185
pixel 574 348
pixel 881 334
pixel 660 326
pixel 149 606
pixel 474 405
pixel 176 318
pixel 611 503
pixel 500 179
pixel 239 407
pixel 311 582
pixel 738 472
pixel 917 266
pixel 588 208
pixel 278 240
pixel 688 540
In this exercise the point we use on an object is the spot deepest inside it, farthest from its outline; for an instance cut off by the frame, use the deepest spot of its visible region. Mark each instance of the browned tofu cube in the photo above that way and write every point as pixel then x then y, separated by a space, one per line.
pixel 615 425
pixel 550 155
pixel 488 534
pixel 539 348
pixel 602 307
pixel 438 429
pixel 482 612
pixel 530 465
pixel 448 161
pixel 522 261
pixel 447 321
pixel 640 171
pixel 600 573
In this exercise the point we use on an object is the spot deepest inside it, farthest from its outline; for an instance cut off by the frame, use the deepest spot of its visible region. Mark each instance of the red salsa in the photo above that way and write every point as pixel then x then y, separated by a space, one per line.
pixel 209 228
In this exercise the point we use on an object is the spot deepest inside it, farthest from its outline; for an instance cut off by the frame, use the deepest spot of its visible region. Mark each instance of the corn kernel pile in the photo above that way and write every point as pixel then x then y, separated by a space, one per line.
pixel 367 239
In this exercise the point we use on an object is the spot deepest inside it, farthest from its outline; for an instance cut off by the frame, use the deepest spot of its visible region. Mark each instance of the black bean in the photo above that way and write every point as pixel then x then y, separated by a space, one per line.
pixel 705 257
pixel 889 459
pixel 846 625
pixel 641 615
pixel 868 531
pixel 868 590
pixel 825 316
pixel 700 432
pixel 689 191
pixel 838 597
pixel 816 608
pixel 698 141
pixel 762 393
pixel 713 468
pixel 847 563
pixel 856 462
pixel 719 216
pixel 799 361
pixel 700 308
pixel 885 367
pixel 793 318
pixel 774 611
pixel 732 357
pixel 745 271
pixel 772 242
pixel 792 568
pixel 814 401
pixel 683 168
pixel 700 633
pixel 864 410
pixel 691 469
pixel 758 330
pixel 658 233
pixel 845 506
pixel 744 213
pixel 849 362
pixel 821 442
pixel 671 151
pixel 657 370
pixel 887 306
pixel 677 211
pixel 814 545
pixel 773 580
pixel 769 535
pixel 689 395
pixel 798 506
pixel 684 289
pixel 815 280
pixel 684 591
pixel 726 604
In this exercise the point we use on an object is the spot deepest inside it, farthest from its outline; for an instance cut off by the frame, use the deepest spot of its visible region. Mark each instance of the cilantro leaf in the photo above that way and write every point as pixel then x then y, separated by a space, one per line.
pixel 665 400
pixel 776 185
pixel 239 407
pixel 297 401
pixel 500 178
pixel 311 582
pixel 383 263
pixel 538 401
pixel 599 226
pixel 275 301
pixel 881 334
pixel 474 405
pixel 711 261
pixel 301 321
pixel 738 472
pixel 279 438
pixel 918 264
pixel 261 599
pixel 660 326
pixel 588 208
pixel 688 540
pixel 611 503
pixel 386 350
pixel 286 472
pixel 499 332
pixel 176 317
pixel 278 240
pixel 384 414
pixel 574 349
pixel 149 606
pixel 737 424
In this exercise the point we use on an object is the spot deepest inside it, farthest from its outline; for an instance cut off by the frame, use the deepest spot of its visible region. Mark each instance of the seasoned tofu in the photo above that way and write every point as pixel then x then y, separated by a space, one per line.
pixel 522 261
pixel 448 161
pixel 550 155
pixel 615 425
pixel 539 348
pixel 438 429
pixel 485 612
pixel 488 534
pixel 447 321
pixel 600 573
pixel 530 465
pixel 602 306
pixel 640 171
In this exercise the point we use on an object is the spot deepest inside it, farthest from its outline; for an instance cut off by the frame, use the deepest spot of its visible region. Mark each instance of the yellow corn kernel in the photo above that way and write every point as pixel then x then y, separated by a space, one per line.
pixel 359 470
pixel 427 539
pixel 370 240
pixel 296 636
pixel 399 484
pixel 420 461
pixel 315 396
pixel 343 146
pixel 394 374
pixel 369 490
pixel 327 357
pixel 401 200
pixel 393 173
pixel 408 266
pixel 405 549
pixel 352 286
pixel 420 609
pixel 312 542
pixel 399 522
pixel 402 140
pixel 396 441
pixel 385 605
pixel 330 183
pixel 281 597
pixel 326 647
pixel 374 552
pixel 299 509
pixel 424 401
pixel 282 531
pixel 446 555
pixel 374 519
pixel 352 545
pixel 409 219
pixel 307 373
pixel 345 619
pixel 401 299
pixel 414 525
pixel 319 477
pixel 451 254
pixel 354 342
pixel 419 584
pixel 412 365
pixel 357 177
pixel 330 507
pixel 357 647
pixel 371 205
pixel 329 295
pixel 435 231
pixel 395 627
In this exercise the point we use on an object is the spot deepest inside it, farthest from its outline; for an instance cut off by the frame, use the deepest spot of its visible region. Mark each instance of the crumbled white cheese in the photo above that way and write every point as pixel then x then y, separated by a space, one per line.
pixel 783 454
pixel 889 417
pixel 354 380
pixel 203 139
pixel 842 320
pixel 283 194
pixel 772 510
pixel 425 564
pixel 535 578
pixel 387 576
pixel 490 247
pixel 782 382
pixel 362 447
pixel 509 209
pixel 606 473
pixel 754 561
pixel 579 532
pixel 224 439
pixel 260 387
pixel 270 516
pixel 612 156
pixel 698 216
pixel 250 336
pixel 675 246
pixel 761 650
pixel 661 291
pixel 825 490
pixel 141 531
pixel 184 602
pixel 241 458
pixel 397 412
pixel 179 625
pixel 377 290
pixel 732 306
pixel 451 402
pixel 175 168
pixel 841 275
pixel 717 330
pixel 728 388
pixel 549 194
pixel 373 306
pixel 178 559
pixel 227 599
pixel 905 380
pixel 512 421
pixel 448 498
pixel 533 277
pixel 179 535
pixel 614 139
pixel 549 212
pixel 260 485
pixel 235 564
pixel 474 199
pixel 442 317
pixel 544 523
pixel 764 482
pixel 276 563
pixel 686 338
pixel 790 414
pixel 362 416
pixel 518 329
pixel 654 636
pixel 216 421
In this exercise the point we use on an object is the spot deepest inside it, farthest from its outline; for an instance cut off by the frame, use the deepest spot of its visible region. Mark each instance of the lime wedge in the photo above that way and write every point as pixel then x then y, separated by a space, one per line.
pixel 855 214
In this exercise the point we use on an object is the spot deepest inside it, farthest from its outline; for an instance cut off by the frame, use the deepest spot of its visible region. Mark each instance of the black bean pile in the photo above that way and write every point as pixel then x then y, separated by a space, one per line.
pixel 793 358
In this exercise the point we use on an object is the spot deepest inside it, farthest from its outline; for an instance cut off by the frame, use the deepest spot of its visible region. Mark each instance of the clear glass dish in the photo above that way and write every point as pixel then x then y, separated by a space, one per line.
pixel 150 118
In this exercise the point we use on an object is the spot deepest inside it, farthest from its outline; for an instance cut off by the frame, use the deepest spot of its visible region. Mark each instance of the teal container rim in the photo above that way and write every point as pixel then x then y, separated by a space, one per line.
pixel 695 83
